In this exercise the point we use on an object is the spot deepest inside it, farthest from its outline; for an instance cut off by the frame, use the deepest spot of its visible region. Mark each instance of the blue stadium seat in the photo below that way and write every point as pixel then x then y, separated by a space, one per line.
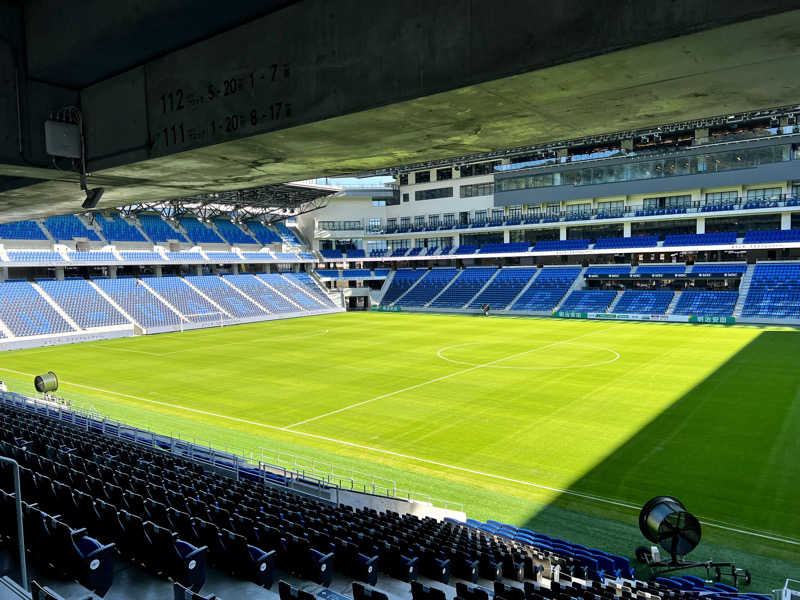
pixel 262 233
pixel 182 297
pixel 82 303
pixel 266 297
pixel 68 227
pixel 92 257
pixel 232 233
pixel 466 285
pixel 651 302
pixel 138 302
pixel 223 258
pixel 561 245
pixel 199 232
pixel 117 229
pixel 26 312
pixel 509 282
pixel 403 279
pixel 515 247
pixel 226 296
pixel 431 284
pixel 21 230
pixel 287 234
pixel 638 241
pixel 609 270
pixel 589 300
pixel 159 230
pixel 701 239
pixel 772 236
pixel 547 289
pixel 706 303
pixel 774 292
pixel 720 268
pixel 141 257
pixel 35 256
pixel 304 281
pixel 284 285
pixel 666 269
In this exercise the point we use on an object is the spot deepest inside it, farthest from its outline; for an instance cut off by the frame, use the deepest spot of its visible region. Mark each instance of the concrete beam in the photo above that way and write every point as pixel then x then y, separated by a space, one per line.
pixel 314 91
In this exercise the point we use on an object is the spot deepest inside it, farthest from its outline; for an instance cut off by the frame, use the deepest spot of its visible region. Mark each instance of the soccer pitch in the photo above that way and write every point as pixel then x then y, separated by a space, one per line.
pixel 566 427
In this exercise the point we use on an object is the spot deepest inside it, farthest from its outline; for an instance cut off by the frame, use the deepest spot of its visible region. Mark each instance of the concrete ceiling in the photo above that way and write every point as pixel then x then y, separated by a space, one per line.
pixel 341 126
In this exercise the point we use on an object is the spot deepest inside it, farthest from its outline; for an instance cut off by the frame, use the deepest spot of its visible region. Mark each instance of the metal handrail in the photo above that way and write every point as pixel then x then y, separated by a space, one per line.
pixel 23 569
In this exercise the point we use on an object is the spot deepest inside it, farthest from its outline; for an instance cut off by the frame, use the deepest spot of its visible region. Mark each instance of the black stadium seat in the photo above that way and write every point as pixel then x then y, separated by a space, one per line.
pixel 361 592
pixel 183 593
pixel 289 592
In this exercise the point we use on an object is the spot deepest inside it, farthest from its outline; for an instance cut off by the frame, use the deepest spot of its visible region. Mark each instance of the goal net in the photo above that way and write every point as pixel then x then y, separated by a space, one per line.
pixel 209 319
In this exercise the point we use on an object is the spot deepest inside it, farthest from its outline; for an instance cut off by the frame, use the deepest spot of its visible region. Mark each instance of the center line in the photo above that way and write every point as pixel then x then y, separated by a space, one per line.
pixel 443 377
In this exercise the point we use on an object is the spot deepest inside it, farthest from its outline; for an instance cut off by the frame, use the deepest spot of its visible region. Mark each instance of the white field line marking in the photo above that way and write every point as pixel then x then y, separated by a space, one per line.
pixel 444 377
pixel 594 364
pixel 413 458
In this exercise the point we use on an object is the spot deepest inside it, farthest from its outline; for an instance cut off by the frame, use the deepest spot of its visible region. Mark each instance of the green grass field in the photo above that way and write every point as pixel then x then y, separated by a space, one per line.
pixel 562 426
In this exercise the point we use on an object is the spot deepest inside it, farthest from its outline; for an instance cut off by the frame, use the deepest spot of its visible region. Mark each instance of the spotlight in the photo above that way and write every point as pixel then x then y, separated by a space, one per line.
pixel 92 197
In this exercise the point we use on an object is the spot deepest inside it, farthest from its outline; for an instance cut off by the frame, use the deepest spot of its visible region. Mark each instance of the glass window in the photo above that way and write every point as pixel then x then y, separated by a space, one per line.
pixel 480 216
pixel 433 220
pixel 405 222
pixel 422 177
pixel 449 219
pixel 477 189
pixel 764 194
pixel 611 207
pixel 419 221
pixel 433 194
pixel 378 202
pixel 722 197
pixel 405 197
pixel 579 209
pixel 374 225
pixel 444 174
pixel 403 178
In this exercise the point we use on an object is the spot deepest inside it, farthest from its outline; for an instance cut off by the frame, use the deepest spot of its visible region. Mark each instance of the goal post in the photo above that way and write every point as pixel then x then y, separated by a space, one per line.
pixel 213 318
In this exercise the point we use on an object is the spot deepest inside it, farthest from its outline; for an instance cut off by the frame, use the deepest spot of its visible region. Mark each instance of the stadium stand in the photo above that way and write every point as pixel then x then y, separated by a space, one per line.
pixel 465 286
pixel 770 236
pixel 183 298
pixel 159 230
pixel 609 270
pixel 504 288
pixel 719 268
pixel 228 298
pixel 466 249
pixel 660 269
pixel 287 256
pixel 117 229
pixel 198 232
pixel 381 272
pixel 285 287
pixel 304 281
pixel 547 289
pixel 141 257
pixel 707 303
pixel 561 245
pixel 774 292
pixel 82 303
pixel 589 300
pixel 515 247
pixel 332 254
pixel 651 302
pixel 223 257
pixel 26 312
pixel 232 233
pixel 92 257
pixel 68 227
pixel 355 253
pixel 431 284
pixel 263 295
pixel 641 241
pixel 138 302
pixel 184 257
pixel 287 234
pixel 21 230
pixel 328 273
pixel 258 256
pixel 701 239
pixel 35 256
pixel 356 274
pixel 402 281
pixel 262 233
pixel 399 252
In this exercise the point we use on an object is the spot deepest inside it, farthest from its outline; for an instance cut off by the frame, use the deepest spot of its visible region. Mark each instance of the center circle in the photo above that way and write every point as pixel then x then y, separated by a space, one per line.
pixel 496 355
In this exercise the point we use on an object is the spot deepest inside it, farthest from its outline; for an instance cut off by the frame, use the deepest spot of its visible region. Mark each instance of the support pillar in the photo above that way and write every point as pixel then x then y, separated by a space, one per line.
pixel 112 272
pixel 3 273
pixel 786 220
pixel 59 273
pixel 701 224
pixel 235 269
pixel 198 269
pixel 626 229
pixel 506 236
pixel 159 271
pixel 562 231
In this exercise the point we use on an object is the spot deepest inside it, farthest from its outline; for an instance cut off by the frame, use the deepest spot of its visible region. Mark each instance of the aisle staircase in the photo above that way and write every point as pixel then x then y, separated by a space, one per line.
pixel 673 303
pixel 744 288
pixel 523 290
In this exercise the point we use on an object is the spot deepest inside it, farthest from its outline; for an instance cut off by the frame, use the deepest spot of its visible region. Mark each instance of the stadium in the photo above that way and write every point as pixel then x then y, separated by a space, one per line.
pixel 388 301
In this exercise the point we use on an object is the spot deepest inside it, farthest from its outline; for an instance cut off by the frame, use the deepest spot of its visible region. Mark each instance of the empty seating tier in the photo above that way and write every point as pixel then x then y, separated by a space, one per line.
pixel 403 279
pixel 263 295
pixel 706 303
pixel 232 233
pixel 770 236
pixel 515 247
pixel 561 245
pixel 589 300
pixel 660 269
pixel 466 285
pixel 287 234
pixel 117 229
pixel 142 257
pixel 304 281
pixel 21 230
pixel 92 257
pixel 35 256
pixel 287 288
pixel 159 230
pixel 68 227
pixel 262 233
pixel 83 303
pixel 609 270
pixel 428 287
pixel 508 283
pixel 774 292
pixel 182 297
pixel 641 241
pixel 138 302
pixel 198 232
pixel 701 239
pixel 25 311
pixel 227 297
pixel 650 302
pixel 720 268
pixel 547 289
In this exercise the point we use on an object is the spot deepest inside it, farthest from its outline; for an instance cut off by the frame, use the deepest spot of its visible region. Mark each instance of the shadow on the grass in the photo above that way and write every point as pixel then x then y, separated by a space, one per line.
pixel 728 449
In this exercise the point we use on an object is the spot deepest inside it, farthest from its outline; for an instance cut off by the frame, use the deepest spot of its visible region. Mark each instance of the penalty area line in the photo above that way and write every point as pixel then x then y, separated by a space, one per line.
pixel 418 459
